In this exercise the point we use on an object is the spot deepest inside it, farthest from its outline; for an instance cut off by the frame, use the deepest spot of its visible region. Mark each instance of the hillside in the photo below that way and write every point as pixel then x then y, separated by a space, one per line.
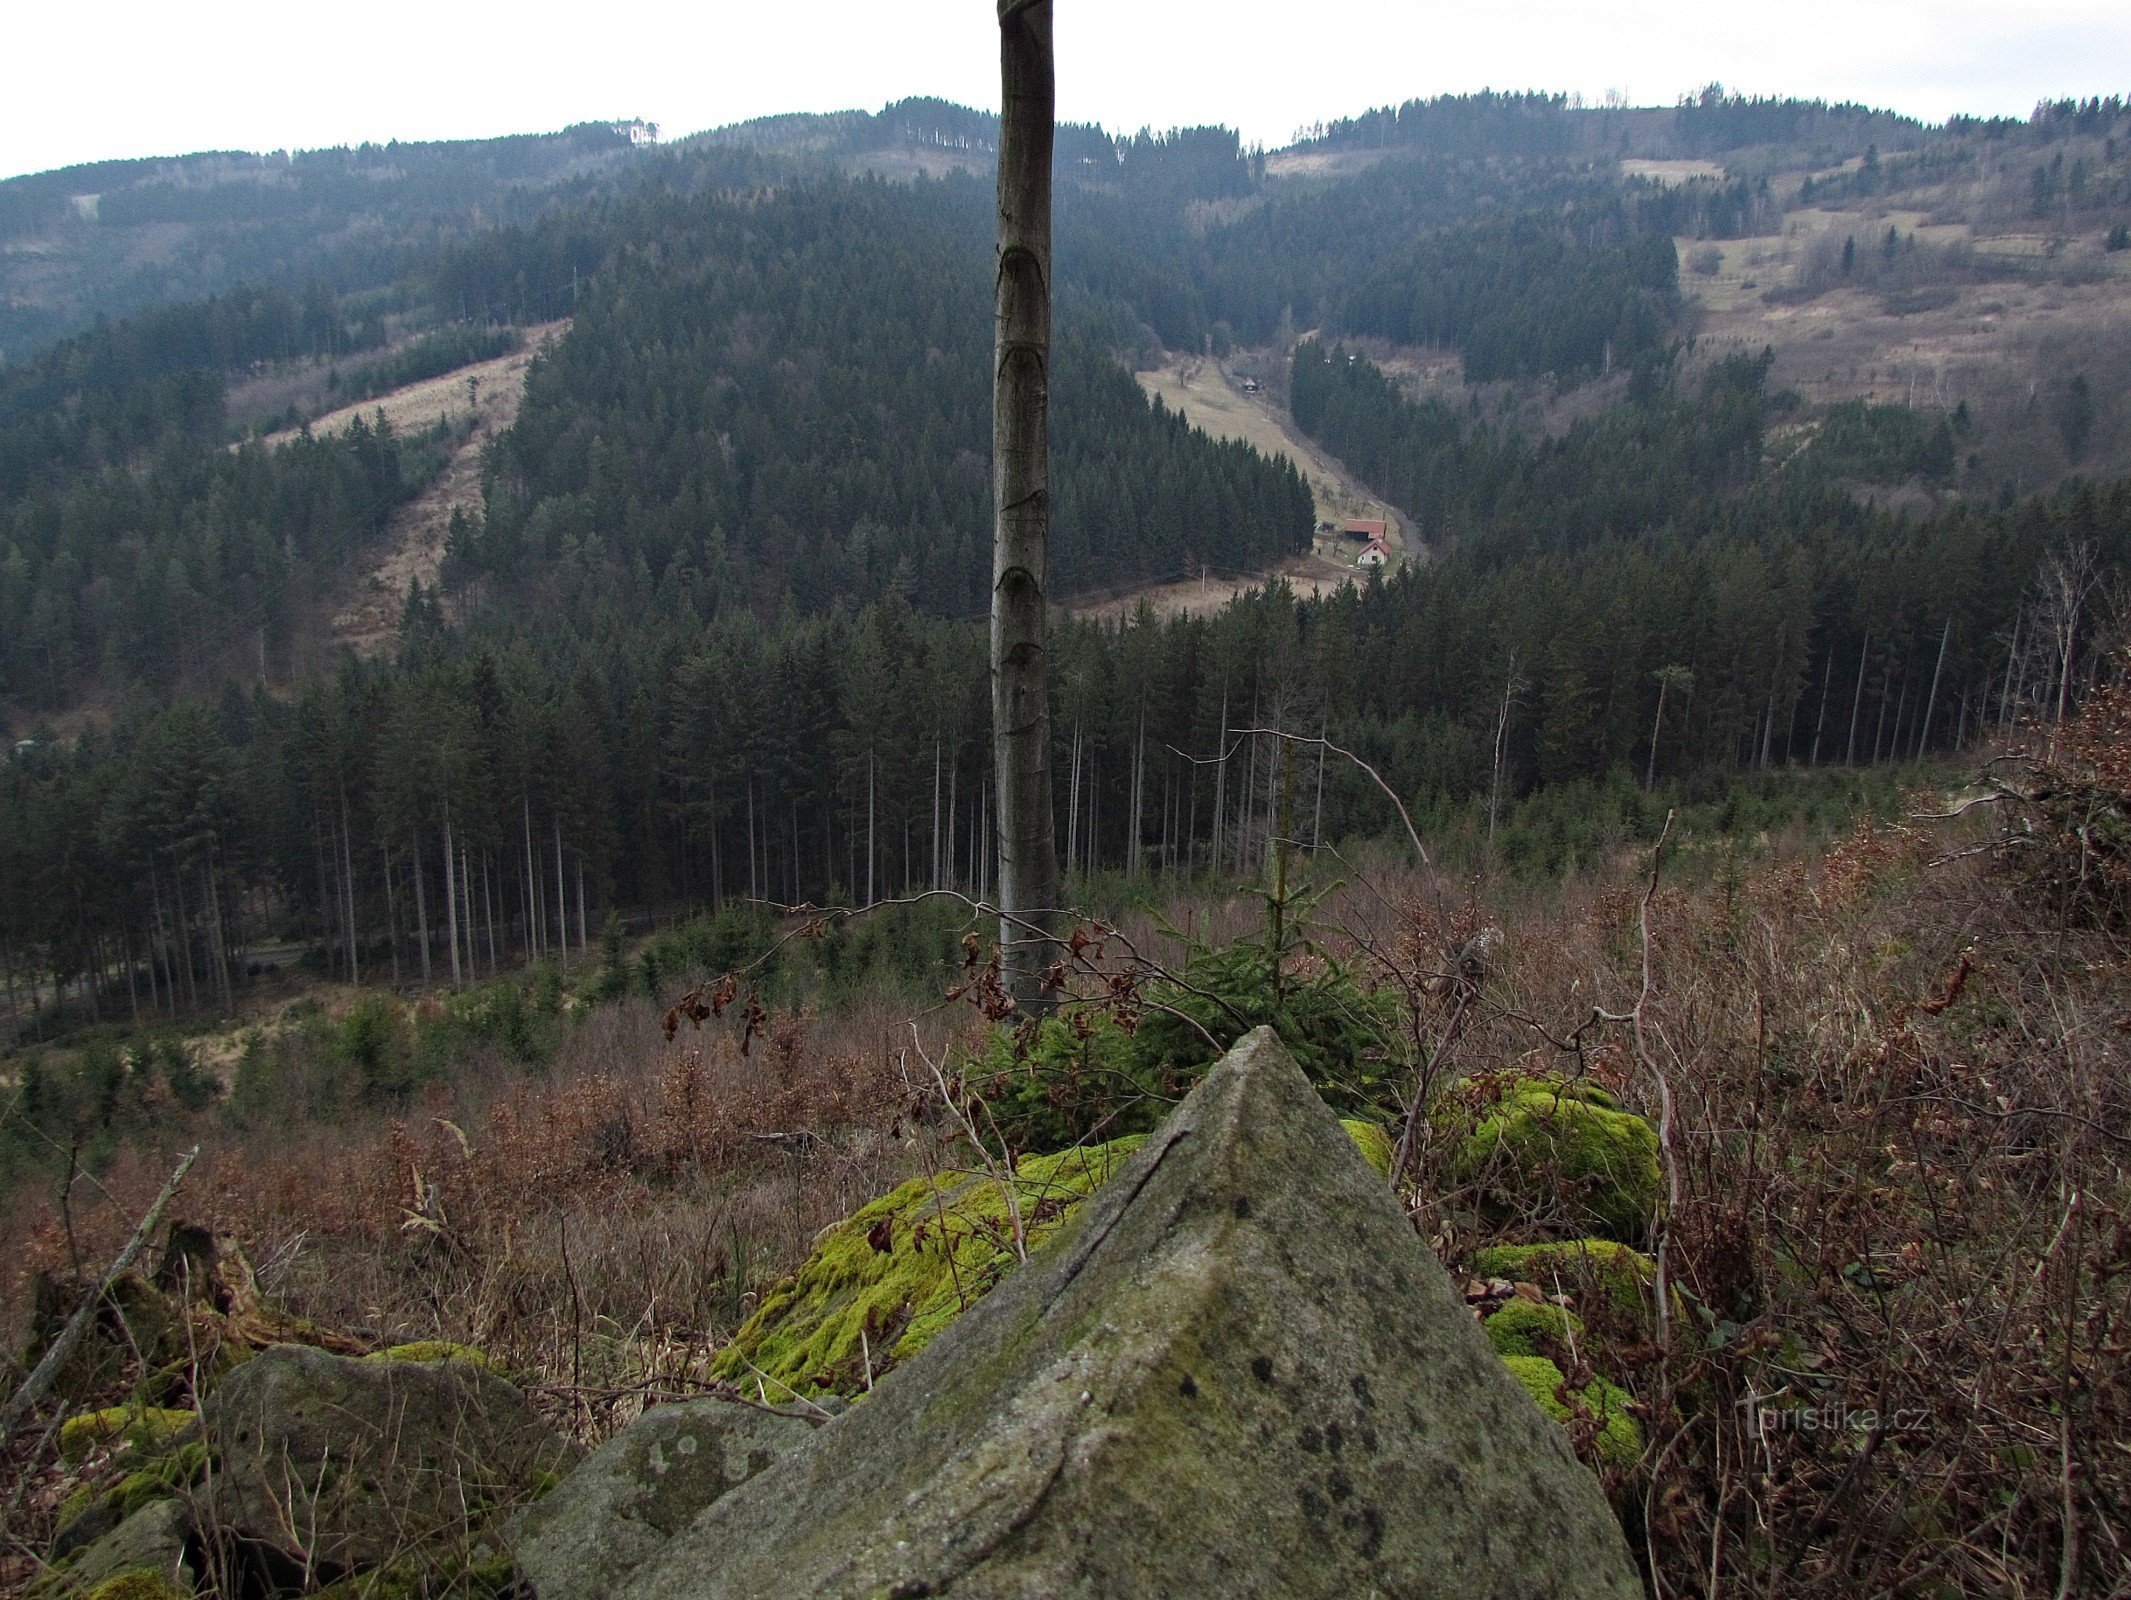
pixel 500 754
pixel 118 237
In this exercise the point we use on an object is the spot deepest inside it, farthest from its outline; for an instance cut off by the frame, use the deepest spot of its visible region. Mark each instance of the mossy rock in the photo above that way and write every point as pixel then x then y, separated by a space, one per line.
pixel 1552 1149
pixel 880 1286
pixel 426 1351
pixel 153 1545
pixel 1619 1441
pixel 138 1583
pixel 1595 1271
pixel 390 1459
pixel 1374 1142
pixel 143 1427
pixel 1521 1328
pixel 89 1512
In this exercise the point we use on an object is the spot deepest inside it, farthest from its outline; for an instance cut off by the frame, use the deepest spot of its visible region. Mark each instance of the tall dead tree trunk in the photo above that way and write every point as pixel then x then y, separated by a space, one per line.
pixel 1021 492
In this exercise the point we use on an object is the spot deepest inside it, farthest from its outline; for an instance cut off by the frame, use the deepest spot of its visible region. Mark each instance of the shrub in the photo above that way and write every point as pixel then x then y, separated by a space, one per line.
pixel 1076 1072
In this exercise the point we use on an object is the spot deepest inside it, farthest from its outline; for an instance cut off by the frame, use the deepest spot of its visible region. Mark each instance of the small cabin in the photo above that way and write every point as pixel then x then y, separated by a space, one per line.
pixel 1366 529
pixel 1250 385
pixel 1373 554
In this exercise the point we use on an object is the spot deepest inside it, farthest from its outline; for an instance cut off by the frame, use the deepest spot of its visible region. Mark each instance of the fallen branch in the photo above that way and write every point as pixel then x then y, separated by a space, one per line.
pixel 40 1379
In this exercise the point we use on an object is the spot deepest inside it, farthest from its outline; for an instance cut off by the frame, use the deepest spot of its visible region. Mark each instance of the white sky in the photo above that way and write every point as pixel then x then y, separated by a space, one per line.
pixel 147 77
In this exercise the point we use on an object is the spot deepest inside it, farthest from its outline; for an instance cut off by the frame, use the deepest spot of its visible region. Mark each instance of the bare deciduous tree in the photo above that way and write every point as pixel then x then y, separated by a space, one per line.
pixel 1021 490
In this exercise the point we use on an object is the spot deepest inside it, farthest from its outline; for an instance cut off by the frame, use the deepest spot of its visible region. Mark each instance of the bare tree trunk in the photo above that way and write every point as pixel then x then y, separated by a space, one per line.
pixel 421 908
pixel 1072 858
pixel 1827 677
pixel 754 874
pixel 584 937
pixel 473 912
pixel 1220 785
pixel 1021 491
pixel 532 885
pixel 347 878
pixel 1324 727
pixel 1139 795
pixel 451 899
pixel 2005 695
pixel 1930 705
pixel 1494 787
pixel 562 903
pixel 488 907
pixel 177 889
pixel 1857 701
pixel 717 857
pixel 1656 724
pixel 392 911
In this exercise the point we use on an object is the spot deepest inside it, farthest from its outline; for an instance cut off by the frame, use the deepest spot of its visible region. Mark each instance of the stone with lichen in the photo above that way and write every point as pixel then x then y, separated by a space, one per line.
pixel 1235 1370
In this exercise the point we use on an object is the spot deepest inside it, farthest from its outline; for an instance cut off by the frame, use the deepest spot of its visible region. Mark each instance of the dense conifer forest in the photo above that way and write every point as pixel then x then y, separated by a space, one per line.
pixel 709 635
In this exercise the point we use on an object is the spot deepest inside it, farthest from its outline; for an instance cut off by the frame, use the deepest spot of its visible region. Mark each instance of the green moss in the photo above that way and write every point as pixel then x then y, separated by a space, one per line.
pixel 1375 1144
pixel 1590 1269
pixel 480 1574
pixel 1549 1148
pixel 885 1282
pixel 947 1244
pixel 1619 1441
pixel 143 1427
pixel 1521 1328
pixel 137 1583
pixel 161 1478
pixel 75 1506
pixel 427 1351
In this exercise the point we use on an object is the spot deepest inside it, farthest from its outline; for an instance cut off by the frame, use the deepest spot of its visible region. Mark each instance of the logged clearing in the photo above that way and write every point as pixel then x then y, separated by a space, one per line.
pixel 433 400
pixel 368 621
pixel 1213 400
pixel 1997 342
pixel 1671 172
pixel 1309 575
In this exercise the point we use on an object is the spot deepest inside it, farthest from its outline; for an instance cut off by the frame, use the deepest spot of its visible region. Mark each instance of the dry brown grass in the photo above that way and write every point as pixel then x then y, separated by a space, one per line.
pixel 1899 1131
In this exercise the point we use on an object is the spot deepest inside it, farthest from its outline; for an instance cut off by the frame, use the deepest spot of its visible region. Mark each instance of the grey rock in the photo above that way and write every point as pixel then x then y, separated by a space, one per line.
pixel 640 1488
pixel 337 1464
pixel 158 1538
pixel 1238 1374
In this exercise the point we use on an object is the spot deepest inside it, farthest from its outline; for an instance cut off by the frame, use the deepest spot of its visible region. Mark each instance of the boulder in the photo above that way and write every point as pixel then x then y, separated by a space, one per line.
pixel 330 1464
pixel 1564 1149
pixel 1521 1328
pixel 1597 1272
pixel 1600 1408
pixel 642 1487
pixel 150 1554
pixel 881 1285
pixel 1235 1372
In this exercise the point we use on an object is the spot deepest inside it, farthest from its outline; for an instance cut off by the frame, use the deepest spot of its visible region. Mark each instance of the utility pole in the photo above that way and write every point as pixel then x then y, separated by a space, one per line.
pixel 1021 495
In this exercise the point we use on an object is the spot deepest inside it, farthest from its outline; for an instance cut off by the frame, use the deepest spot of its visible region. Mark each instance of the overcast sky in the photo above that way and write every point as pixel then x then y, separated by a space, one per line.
pixel 147 77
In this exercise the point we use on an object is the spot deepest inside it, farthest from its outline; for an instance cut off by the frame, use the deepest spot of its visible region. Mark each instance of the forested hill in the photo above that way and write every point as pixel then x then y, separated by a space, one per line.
pixel 114 237
pixel 787 400
pixel 709 625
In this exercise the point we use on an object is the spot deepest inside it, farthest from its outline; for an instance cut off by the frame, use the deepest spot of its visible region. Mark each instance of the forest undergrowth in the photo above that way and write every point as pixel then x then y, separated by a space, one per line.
pixel 1887 1076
